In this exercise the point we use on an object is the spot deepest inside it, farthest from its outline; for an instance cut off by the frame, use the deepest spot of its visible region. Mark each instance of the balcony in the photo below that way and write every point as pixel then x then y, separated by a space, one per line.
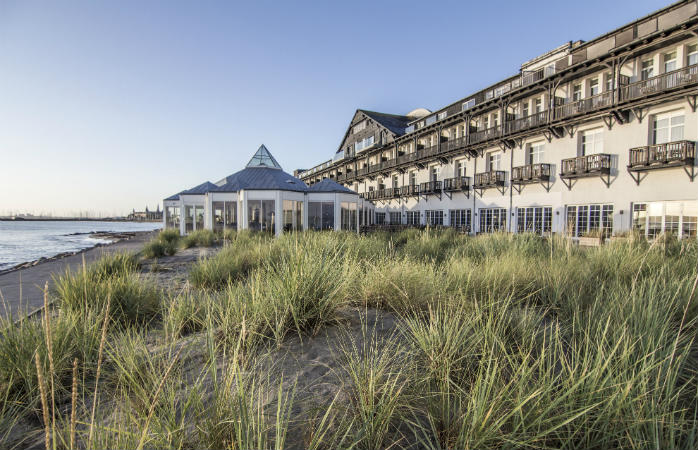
pixel 524 123
pixel 484 135
pixel 583 106
pixel 598 165
pixel 411 190
pixel 362 172
pixel 457 184
pixel 386 194
pixel 530 174
pixel 662 156
pixel 671 80
pixel 491 179
pixel 454 144
pixel 430 188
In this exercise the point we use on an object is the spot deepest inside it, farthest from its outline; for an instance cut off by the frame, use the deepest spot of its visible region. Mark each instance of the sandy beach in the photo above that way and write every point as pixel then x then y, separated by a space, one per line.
pixel 22 289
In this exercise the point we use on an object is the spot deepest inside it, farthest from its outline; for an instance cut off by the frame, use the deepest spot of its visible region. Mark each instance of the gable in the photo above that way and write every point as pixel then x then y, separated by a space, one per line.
pixel 369 130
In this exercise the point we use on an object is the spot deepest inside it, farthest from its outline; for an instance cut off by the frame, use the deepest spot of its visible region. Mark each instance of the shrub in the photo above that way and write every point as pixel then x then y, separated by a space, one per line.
pixel 199 238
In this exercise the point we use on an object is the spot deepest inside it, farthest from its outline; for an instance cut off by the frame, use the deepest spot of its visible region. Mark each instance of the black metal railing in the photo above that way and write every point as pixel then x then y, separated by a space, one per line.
pixel 589 164
pixel 663 154
pixel 524 123
pixel 584 105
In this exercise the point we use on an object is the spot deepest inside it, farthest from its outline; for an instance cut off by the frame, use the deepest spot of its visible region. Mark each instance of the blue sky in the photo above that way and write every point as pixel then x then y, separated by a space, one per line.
pixel 107 106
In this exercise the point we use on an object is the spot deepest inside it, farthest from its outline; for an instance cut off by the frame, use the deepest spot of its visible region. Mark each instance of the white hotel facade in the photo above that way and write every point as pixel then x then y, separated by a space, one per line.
pixel 592 136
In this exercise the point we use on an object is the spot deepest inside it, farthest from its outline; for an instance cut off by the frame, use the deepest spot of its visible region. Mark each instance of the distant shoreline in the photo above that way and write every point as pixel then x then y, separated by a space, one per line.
pixel 69 219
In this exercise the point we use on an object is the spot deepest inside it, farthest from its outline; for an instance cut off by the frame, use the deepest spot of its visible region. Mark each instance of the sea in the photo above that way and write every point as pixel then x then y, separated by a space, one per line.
pixel 24 241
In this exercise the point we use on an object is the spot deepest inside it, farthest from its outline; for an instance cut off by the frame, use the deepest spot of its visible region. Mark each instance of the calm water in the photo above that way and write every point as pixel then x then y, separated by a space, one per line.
pixel 28 241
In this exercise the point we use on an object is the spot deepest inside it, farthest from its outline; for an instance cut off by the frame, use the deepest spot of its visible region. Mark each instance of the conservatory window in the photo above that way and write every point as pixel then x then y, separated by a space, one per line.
pixel 348 210
pixel 261 215
pixel 293 215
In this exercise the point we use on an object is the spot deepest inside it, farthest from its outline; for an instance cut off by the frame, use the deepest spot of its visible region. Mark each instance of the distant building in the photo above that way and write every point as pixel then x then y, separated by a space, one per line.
pixel 145 216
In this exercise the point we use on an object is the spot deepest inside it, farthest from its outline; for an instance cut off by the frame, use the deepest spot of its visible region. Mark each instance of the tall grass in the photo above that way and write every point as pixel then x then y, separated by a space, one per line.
pixel 503 341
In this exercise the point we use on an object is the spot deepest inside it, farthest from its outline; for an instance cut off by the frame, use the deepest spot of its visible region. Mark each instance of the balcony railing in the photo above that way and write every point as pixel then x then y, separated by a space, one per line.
pixel 430 187
pixel 454 144
pixel 410 190
pixel 362 171
pixel 407 158
pixel 489 179
pixel 341 177
pixel 582 166
pixel 662 155
pixel 484 135
pixel 524 123
pixel 386 194
pixel 530 173
pixel 585 105
pixel 670 80
pixel 456 184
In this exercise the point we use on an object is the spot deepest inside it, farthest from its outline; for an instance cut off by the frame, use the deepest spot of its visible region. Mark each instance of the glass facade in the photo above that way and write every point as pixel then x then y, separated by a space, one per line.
pixel 188 218
pixel 678 218
pixel 348 216
pixel 584 220
pixel 172 217
pixel 535 219
pixel 492 220
pixel 261 215
pixel 293 215
pixel 321 215
pixel 413 218
pixel 460 219
pixel 434 217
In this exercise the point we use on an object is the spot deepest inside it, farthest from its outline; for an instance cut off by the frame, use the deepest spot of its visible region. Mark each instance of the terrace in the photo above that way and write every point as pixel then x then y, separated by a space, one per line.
pixel 662 156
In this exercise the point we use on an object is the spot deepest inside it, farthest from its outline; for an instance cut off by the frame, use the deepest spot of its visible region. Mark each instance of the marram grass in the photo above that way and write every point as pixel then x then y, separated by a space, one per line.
pixel 503 341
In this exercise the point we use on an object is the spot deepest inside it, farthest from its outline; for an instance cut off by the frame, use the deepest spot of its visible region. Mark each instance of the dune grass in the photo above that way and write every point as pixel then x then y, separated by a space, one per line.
pixel 166 243
pixel 504 341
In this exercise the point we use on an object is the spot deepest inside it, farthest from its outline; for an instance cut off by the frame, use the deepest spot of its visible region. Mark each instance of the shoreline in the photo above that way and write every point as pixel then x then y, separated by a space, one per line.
pixel 21 288
pixel 113 236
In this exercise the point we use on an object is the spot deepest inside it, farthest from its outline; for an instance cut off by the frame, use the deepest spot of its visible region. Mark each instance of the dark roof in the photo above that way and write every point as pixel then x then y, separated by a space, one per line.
pixel 263 158
pixel 174 197
pixel 392 122
pixel 200 189
pixel 260 178
pixel 328 185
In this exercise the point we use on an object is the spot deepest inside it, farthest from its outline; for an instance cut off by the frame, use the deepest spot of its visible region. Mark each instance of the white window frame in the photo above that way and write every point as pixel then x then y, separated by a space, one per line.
pixel 670 60
pixel 691 53
pixel 674 127
pixel 662 210
pixel 646 69
pixel 536 152
pixel 591 141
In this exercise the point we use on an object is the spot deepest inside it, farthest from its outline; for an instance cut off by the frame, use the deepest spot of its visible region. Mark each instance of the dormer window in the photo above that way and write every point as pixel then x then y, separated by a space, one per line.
pixel 442 115
pixel 469 104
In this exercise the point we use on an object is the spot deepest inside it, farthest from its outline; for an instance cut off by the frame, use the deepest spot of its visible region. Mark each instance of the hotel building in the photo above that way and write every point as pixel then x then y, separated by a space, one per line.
pixel 594 136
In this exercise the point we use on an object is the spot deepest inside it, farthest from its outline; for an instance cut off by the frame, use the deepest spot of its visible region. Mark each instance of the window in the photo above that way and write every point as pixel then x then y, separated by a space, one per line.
pixel 434 173
pixel 395 218
pixel 460 168
pixel 413 178
pixel 224 215
pixel 358 127
pixel 647 71
pixel 538 105
pixel 593 86
pixel 434 217
pixel 536 219
pixel 668 127
pixel 576 92
pixel 524 109
pixel 395 182
pixel 495 119
pixel 442 115
pixel 592 142
pixel 188 218
pixel 293 215
pixel 261 215
pixel 469 104
pixel 485 122
pixel 380 218
pixel 364 143
pixel 585 219
pixel 172 217
pixel 691 54
pixel 321 215
pixel 413 218
pixel 348 216
pixel 653 218
pixel 535 153
pixel 669 62
pixel 492 219
pixel 494 161
pixel 609 82
pixel 460 219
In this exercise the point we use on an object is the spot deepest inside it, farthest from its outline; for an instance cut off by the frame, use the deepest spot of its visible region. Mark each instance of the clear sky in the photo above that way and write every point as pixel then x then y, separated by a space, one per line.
pixel 107 106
